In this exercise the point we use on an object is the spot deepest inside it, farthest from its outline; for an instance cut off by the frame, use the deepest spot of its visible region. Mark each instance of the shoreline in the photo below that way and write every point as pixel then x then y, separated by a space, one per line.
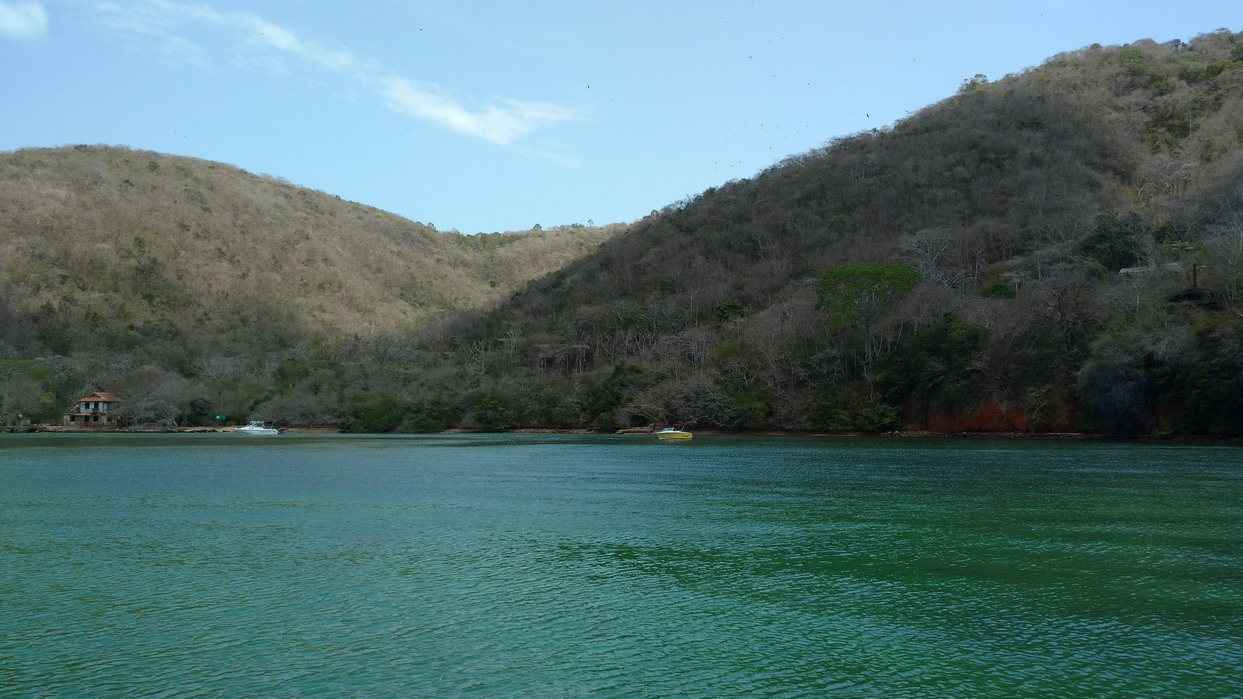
pixel 640 432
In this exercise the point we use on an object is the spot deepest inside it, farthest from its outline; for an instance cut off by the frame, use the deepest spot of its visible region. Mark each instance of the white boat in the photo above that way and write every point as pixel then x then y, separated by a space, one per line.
pixel 674 432
pixel 256 427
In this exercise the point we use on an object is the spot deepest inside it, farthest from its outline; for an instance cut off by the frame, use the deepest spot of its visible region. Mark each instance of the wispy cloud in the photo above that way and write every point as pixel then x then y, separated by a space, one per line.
pixel 163 26
pixel 153 28
pixel 503 122
pixel 23 20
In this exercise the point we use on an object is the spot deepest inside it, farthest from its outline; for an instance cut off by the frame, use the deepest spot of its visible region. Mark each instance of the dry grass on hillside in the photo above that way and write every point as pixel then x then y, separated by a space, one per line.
pixel 109 241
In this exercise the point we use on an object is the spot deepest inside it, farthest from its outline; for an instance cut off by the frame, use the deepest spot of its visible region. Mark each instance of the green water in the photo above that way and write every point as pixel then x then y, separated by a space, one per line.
pixel 223 565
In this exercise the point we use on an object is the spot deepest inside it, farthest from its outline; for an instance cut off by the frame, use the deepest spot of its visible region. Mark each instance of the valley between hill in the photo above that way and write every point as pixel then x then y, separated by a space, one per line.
pixel 1059 250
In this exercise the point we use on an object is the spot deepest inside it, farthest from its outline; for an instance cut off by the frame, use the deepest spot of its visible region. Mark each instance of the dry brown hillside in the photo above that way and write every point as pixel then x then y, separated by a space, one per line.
pixel 111 247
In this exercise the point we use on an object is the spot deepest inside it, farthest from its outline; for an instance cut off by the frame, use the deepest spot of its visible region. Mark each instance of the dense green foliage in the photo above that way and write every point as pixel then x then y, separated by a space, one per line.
pixel 856 294
pixel 1056 250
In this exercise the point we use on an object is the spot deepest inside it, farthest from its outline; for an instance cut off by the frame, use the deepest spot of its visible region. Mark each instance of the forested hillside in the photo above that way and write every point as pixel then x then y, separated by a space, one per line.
pixel 960 270
pixel 1052 251
pixel 127 268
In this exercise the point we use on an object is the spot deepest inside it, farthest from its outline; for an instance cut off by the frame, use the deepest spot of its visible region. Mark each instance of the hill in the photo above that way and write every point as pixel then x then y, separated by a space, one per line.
pixel 779 301
pixel 106 246
pixel 1056 250
pixel 123 258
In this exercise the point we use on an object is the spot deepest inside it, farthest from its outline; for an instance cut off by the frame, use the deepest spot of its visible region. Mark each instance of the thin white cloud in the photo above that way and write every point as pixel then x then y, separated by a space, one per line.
pixel 24 20
pixel 163 24
pixel 151 28
pixel 264 33
pixel 502 123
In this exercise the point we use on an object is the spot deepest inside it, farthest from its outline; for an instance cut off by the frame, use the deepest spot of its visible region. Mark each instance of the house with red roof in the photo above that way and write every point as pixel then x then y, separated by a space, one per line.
pixel 94 411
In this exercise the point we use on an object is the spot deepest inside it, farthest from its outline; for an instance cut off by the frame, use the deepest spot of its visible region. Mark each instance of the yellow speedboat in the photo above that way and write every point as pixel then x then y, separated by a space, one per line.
pixel 674 432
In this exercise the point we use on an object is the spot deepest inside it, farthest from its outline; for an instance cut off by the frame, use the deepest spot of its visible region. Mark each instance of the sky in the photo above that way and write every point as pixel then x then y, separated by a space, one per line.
pixel 497 115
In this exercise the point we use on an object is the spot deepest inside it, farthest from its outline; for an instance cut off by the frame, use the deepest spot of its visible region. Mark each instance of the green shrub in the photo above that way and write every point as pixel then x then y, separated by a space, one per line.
pixel 998 290
pixel 424 424
pixel 382 415
pixel 851 408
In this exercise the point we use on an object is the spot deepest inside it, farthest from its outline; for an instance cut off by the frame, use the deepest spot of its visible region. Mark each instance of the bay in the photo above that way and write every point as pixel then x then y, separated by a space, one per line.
pixel 558 565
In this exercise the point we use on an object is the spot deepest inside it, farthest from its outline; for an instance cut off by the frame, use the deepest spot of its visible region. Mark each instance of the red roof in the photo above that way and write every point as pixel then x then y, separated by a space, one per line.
pixel 100 397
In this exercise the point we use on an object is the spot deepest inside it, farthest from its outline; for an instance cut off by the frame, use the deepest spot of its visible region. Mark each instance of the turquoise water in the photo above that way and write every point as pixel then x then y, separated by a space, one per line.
pixel 524 565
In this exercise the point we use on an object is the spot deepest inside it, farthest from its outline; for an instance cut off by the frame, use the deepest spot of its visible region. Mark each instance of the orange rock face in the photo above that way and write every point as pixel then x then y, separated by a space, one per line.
pixel 992 415
pixel 988 416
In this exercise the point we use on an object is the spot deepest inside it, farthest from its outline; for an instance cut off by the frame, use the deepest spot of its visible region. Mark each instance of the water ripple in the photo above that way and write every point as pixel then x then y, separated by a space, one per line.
pixel 564 567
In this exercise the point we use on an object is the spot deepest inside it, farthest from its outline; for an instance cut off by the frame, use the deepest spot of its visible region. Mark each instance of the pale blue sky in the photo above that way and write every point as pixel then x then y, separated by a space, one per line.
pixel 482 115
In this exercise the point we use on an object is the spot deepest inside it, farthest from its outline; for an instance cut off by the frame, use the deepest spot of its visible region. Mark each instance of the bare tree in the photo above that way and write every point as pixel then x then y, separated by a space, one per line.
pixel 695 400
pixel 20 395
